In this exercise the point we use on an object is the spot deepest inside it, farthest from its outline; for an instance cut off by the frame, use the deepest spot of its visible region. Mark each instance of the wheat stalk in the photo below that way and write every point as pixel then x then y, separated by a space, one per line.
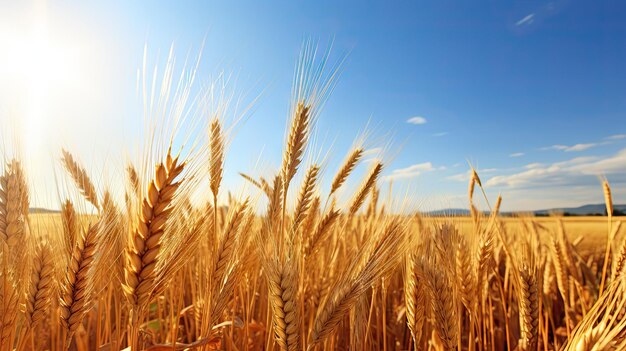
pixel 608 200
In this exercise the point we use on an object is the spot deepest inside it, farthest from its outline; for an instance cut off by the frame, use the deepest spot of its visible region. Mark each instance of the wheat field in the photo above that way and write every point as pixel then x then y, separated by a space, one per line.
pixel 292 267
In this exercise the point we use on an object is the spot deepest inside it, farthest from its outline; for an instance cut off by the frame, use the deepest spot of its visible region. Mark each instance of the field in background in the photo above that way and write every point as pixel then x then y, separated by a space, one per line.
pixel 589 233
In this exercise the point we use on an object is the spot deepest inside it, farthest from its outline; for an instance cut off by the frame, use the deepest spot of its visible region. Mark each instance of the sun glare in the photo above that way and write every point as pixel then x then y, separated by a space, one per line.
pixel 36 67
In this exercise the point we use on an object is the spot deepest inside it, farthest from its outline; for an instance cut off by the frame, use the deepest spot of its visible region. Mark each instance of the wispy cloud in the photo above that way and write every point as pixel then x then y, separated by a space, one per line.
pixel 574 172
pixel 616 137
pixel 372 152
pixel 416 120
pixel 533 165
pixel 526 20
pixel 465 176
pixel 410 172
pixel 440 134
pixel 566 148
pixel 516 154
pixel 460 177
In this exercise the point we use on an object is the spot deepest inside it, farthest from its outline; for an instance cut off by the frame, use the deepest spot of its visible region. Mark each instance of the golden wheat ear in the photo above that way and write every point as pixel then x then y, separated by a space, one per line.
pixel 145 247
pixel 366 187
pixel 216 158
pixel 81 179
pixel 305 197
pixel 602 328
pixel 346 169
pixel 321 231
pixel 70 226
pixel 13 210
pixel 383 255
pixel 283 287
pixel 261 184
pixel 133 179
pixel 42 286
pixel 414 298
pixel 528 297
pixel 296 143
pixel 9 299
pixel 77 289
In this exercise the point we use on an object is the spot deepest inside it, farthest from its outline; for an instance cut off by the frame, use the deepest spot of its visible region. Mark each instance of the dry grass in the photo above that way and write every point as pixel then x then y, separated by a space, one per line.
pixel 167 271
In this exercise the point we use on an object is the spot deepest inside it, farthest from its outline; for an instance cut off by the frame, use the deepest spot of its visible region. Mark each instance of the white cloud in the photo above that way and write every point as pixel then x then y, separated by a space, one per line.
pixel 566 148
pixel 516 154
pixel 574 172
pixel 440 134
pixel 465 176
pixel 526 20
pixel 416 120
pixel 533 165
pixel 460 177
pixel 616 137
pixel 410 172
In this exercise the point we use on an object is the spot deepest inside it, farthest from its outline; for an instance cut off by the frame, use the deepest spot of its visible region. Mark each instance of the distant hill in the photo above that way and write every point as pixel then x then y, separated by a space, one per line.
pixel 41 210
pixel 449 212
pixel 585 210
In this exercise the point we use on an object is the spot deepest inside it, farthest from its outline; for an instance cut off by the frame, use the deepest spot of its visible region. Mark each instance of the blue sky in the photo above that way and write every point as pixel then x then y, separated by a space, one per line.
pixel 532 93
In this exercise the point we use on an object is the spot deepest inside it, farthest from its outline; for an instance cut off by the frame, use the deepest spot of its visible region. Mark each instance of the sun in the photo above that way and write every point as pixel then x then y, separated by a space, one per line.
pixel 36 67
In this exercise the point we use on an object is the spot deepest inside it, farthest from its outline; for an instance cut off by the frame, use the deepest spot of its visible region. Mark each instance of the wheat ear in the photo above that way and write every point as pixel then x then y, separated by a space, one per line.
pixel 9 299
pixel 365 188
pixel 146 241
pixel 357 279
pixel 262 184
pixel 41 285
pixel 415 299
pixel 344 172
pixel 225 249
pixel 68 217
pixel 133 179
pixel 321 231
pixel 608 200
pixel 76 290
pixel 12 215
pixel 528 307
pixel 80 177
pixel 305 196
pixel 443 306
pixel 296 143
pixel 216 157
pixel 283 286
